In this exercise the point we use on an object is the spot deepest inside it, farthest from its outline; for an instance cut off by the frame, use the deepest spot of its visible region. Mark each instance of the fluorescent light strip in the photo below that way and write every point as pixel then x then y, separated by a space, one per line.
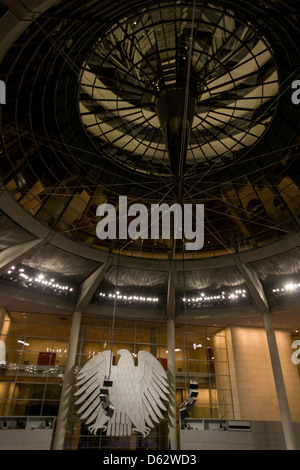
pixel 130 298
pixel 37 279
pixel 236 295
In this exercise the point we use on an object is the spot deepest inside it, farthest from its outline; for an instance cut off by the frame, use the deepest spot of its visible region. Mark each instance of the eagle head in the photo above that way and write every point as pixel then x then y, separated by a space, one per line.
pixel 125 357
pixel 123 352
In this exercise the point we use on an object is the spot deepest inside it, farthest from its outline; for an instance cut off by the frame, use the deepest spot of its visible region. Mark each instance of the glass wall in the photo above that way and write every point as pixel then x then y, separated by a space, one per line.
pixel 36 348
pixel 35 351
pixel 200 354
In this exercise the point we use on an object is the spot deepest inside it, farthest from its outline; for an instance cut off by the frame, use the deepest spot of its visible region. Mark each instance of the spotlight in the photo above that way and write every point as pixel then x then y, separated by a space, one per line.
pixel 106 404
pixel 110 411
pixel 189 407
pixel 184 414
pixel 189 403
pixel 193 385
pixel 107 383
pixel 104 399
pixel 191 400
pixel 193 389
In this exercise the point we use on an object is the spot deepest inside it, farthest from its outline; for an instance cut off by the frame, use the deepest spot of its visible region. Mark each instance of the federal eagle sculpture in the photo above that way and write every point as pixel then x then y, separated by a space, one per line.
pixel 124 398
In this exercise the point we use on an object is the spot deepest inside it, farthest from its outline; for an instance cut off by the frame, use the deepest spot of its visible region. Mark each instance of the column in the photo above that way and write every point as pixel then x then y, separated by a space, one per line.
pixel 3 313
pixel 67 384
pixel 172 421
pixel 258 295
pixel 287 424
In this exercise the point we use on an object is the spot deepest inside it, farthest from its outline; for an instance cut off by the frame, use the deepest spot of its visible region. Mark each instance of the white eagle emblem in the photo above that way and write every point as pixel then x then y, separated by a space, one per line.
pixel 122 398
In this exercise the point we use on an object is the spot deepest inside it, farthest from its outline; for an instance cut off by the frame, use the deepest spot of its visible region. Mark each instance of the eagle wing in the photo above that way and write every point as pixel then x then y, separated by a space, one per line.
pixel 153 384
pixel 89 381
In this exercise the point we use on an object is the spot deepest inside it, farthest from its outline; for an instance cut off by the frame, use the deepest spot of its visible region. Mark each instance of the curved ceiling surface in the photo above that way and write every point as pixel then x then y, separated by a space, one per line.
pixel 232 76
pixel 86 118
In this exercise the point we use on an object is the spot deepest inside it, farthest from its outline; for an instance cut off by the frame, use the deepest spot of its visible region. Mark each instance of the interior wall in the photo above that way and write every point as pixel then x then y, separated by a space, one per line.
pixel 252 381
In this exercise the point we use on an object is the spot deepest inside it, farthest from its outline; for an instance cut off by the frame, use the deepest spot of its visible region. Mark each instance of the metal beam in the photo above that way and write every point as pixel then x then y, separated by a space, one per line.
pixel 17 8
pixel 18 19
pixel 29 9
pixel 255 287
pixel 15 254
pixel 171 294
pixel 89 286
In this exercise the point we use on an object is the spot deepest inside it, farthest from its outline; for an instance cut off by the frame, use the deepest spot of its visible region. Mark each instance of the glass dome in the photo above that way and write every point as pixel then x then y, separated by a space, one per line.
pixel 226 65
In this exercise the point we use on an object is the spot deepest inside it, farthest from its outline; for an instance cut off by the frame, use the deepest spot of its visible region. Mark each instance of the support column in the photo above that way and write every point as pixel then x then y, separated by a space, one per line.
pixel 287 424
pixel 89 285
pixel 67 384
pixel 172 420
pixel 258 295
pixel 171 304
pixel 3 313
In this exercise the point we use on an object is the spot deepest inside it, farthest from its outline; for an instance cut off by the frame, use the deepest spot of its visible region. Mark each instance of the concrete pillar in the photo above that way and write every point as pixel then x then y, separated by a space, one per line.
pixel 257 292
pixel 64 406
pixel 3 313
pixel 287 425
pixel 172 419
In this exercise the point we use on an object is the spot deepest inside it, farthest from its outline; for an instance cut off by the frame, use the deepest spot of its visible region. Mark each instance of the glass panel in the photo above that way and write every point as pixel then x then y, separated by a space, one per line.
pixel 36 355
pixel 36 349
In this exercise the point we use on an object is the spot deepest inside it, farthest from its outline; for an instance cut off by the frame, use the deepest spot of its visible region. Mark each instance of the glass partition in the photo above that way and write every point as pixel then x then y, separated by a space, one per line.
pixel 36 349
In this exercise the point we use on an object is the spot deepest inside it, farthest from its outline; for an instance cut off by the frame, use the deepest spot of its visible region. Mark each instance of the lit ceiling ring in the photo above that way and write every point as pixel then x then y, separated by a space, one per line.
pixel 53 160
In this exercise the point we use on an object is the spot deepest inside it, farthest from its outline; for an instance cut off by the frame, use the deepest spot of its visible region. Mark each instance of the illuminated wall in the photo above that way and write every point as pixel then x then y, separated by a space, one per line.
pixel 253 387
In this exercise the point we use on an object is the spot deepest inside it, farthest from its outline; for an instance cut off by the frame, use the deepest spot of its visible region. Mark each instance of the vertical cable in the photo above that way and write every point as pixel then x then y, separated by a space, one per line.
pixel 114 316
pixel 187 90
pixel 186 354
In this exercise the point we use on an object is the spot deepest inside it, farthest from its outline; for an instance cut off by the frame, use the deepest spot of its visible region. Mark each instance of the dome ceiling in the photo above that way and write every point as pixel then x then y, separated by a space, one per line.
pixel 232 76
pixel 87 118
